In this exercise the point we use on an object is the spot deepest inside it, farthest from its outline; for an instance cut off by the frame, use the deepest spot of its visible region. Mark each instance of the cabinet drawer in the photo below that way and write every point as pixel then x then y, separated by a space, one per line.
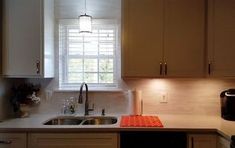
pixel 13 140
pixel 80 140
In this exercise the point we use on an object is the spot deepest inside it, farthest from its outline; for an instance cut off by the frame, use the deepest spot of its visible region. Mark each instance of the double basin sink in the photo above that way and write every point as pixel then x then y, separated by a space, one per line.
pixel 82 120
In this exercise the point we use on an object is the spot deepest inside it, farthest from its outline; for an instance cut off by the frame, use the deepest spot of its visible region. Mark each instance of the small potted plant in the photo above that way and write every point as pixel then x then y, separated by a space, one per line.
pixel 23 97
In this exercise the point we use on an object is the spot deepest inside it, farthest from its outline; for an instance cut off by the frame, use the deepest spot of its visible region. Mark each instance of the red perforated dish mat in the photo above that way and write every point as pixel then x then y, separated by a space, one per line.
pixel 140 121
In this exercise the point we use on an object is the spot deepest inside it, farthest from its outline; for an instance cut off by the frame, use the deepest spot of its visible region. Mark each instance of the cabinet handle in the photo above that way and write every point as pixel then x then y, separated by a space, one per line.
pixel 209 68
pixel 38 66
pixel 192 142
pixel 165 68
pixel 160 68
pixel 5 141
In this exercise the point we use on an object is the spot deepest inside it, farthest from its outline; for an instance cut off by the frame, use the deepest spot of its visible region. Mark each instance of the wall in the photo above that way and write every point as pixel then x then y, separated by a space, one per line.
pixel 5 107
pixel 185 96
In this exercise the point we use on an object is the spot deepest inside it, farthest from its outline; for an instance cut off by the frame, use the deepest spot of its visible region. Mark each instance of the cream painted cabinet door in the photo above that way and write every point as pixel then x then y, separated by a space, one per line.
pixel 21 34
pixel 28 38
pixel 201 141
pixel 66 140
pixel 184 38
pixel 13 140
pixel 221 35
pixel 142 38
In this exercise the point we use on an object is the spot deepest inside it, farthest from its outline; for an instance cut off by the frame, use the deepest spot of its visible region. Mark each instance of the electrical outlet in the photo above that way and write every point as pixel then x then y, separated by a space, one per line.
pixel 164 98
pixel 48 94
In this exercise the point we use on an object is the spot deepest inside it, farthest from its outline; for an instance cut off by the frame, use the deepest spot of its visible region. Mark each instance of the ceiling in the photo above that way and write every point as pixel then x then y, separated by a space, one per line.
pixel 100 9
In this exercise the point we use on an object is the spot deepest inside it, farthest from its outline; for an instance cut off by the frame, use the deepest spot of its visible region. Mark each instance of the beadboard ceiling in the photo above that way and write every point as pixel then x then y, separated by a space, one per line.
pixel 101 9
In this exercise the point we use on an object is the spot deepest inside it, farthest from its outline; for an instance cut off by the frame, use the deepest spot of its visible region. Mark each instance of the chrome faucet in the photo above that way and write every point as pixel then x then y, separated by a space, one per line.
pixel 80 100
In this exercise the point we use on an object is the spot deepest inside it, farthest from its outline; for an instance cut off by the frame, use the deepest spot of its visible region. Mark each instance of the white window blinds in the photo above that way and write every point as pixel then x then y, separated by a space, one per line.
pixel 89 58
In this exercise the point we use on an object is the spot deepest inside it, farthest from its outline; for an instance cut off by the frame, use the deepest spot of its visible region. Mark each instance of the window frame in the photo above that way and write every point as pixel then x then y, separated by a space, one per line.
pixel 63 60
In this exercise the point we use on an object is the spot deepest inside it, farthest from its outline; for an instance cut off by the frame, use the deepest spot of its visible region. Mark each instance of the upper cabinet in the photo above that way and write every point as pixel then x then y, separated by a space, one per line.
pixel 28 38
pixel 163 38
pixel 184 38
pixel 221 35
pixel 142 37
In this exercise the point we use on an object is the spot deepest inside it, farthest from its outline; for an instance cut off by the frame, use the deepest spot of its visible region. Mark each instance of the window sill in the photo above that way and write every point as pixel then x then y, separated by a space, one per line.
pixel 90 90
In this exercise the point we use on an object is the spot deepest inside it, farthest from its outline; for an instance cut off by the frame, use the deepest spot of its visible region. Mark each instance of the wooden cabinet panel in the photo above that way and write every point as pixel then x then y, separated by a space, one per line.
pixel 142 37
pixel 13 140
pixel 222 142
pixel 201 141
pixel 171 32
pixel 221 34
pixel 82 140
pixel 184 38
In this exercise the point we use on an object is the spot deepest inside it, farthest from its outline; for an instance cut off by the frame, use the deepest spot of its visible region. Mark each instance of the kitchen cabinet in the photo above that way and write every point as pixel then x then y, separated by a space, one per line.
pixel 28 34
pixel 78 140
pixel 221 34
pixel 201 140
pixel 163 38
pixel 142 38
pixel 13 140
pixel 184 38
pixel 222 142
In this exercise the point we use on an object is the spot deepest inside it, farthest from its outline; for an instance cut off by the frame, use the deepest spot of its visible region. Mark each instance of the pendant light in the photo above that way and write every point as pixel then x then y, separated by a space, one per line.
pixel 85 22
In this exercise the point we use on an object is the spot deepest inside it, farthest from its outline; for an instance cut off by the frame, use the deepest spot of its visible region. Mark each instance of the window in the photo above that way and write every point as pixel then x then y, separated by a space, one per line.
pixel 89 58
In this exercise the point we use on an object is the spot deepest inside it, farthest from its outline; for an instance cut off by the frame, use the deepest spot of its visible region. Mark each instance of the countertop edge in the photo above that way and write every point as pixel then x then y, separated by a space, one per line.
pixel 104 129
pixel 183 123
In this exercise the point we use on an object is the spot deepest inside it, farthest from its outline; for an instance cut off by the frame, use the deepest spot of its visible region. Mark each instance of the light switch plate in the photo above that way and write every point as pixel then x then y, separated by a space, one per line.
pixel 164 97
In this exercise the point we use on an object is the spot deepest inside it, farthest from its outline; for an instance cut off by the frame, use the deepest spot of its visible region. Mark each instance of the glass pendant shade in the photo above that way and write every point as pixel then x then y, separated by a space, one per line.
pixel 85 23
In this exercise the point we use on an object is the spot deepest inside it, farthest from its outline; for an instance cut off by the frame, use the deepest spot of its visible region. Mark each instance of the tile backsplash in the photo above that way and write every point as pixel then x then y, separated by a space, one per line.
pixel 184 96
pixel 5 107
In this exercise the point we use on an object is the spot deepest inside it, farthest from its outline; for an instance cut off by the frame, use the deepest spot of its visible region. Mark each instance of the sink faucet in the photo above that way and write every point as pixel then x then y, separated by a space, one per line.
pixel 80 100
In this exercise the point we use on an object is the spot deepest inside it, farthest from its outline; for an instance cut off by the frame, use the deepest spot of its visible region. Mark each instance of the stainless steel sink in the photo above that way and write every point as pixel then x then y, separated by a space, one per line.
pixel 100 121
pixel 71 120
pixel 63 120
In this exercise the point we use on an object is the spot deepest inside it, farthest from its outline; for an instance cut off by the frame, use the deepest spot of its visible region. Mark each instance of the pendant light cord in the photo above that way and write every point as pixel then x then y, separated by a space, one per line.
pixel 85 6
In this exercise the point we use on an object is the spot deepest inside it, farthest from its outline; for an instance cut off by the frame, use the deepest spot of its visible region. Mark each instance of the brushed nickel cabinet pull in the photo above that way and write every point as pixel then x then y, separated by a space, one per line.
pixel 38 66
pixel 5 141
pixel 165 68
pixel 209 68
pixel 160 68
pixel 192 142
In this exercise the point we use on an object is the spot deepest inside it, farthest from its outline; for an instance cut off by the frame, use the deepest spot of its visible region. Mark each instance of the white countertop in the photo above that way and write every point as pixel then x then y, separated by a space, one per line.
pixel 189 123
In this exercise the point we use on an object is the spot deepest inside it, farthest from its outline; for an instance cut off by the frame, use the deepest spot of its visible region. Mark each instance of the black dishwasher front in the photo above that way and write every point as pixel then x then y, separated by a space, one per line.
pixel 143 139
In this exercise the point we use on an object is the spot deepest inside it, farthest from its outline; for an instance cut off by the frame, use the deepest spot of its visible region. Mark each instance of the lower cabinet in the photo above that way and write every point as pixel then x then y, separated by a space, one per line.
pixel 78 140
pixel 202 140
pixel 13 140
pixel 222 142
pixel 112 140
